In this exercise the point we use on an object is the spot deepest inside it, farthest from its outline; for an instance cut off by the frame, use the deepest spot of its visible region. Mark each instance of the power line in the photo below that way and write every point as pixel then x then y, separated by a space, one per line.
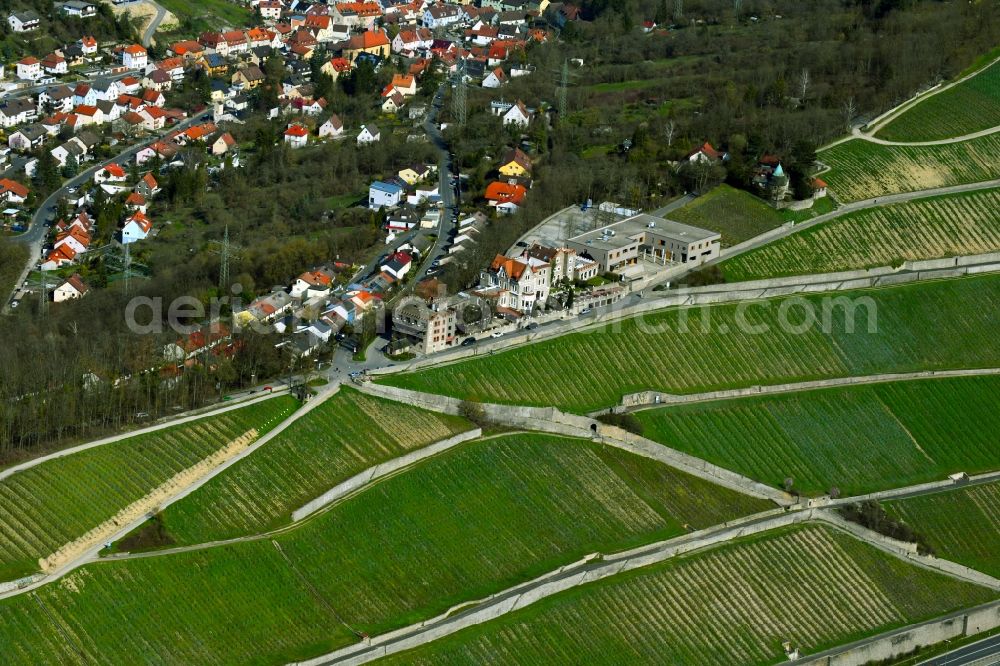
pixel 226 252
pixel 459 106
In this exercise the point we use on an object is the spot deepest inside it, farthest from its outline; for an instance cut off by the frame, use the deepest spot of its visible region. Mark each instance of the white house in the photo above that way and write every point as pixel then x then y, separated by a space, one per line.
pixel 440 16
pixel 29 69
pixel 296 136
pixel 136 228
pixel 369 134
pixel 135 57
pixel 495 79
pixel 112 173
pixel 518 114
pixel 398 265
pixel 381 194
pixel 23 21
pixel 333 127
pixel 71 289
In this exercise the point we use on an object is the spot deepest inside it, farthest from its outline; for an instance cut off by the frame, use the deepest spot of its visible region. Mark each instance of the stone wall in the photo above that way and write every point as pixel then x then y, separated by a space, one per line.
pixel 378 471
pixel 885 276
pixel 903 641
pixel 551 420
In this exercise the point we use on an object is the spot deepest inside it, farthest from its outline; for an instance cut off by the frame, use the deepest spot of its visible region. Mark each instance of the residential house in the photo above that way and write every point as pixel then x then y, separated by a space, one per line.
pixel 369 134
pixel 88 45
pixel 71 289
pixel 414 173
pixel 134 57
pixel 412 41
pixel 515 113
pixel 147 186
pixel 136 228
pixel 157 80
pixel 392 102
pixel 515 164
pixel 24 21
pixel 382 194
pixel 706 154
pixel 214 64
pixel 29 69
pixel 397 265
pixel 335 67
pixel 17 111
pixel 55 100
pixel 78 9
pixel 249 77
pixel 441 16
pixel 505 197
pixel 12 192
pixel 223 144
pixel 84 94
pixel 135 202
pixel 112 173
pixel 332 127
pixel 495 78
pixel 270 10
pixel 373 42
pixel 312 284
pixel 402 220
pixel 54 64
pixel 518 284
pixel 296 136
pixel 27 138
pixel 434 325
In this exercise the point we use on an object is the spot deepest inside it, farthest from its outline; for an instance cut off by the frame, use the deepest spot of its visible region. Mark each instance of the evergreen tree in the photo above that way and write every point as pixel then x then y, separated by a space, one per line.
pixel 72 167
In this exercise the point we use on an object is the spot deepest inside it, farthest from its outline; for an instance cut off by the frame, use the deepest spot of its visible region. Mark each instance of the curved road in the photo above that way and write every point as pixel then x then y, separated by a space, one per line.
pixel 35 236
pixel 154 23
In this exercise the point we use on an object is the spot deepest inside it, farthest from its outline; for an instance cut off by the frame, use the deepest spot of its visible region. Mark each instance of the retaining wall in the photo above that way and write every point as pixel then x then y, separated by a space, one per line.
pixel 912 271
pixel 379 471
pixel 551 420
pixel 645 399
pixel 904 641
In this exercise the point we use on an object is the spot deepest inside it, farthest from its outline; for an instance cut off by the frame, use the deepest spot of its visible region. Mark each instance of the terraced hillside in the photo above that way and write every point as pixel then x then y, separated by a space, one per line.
pixel 453 528
pixel 924 229
pixel 865 170
pixel 935 325
pixel 347 434
pixel 962 525
pixel 731 605
pixel 970 106
pixel 859 439
pixel 55 502
pixel 736 214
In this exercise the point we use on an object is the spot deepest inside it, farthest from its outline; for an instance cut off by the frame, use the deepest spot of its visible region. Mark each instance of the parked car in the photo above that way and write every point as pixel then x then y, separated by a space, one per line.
pixel 584 311
pixel 468 342
pixel 532 326
pixel 496 334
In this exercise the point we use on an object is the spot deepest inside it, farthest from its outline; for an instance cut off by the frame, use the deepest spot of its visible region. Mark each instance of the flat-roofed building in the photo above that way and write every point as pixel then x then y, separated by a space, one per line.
pixel 617 246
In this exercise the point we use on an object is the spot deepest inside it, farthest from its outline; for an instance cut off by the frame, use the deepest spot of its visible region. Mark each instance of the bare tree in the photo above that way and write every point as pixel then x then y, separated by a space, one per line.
pixel 737 7
pixel 850 110
pixel 669 130
pixel 804 82
pixel 678 10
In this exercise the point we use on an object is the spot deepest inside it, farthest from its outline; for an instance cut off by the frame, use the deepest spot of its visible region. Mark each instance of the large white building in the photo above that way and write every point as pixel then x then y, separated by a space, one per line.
pixel 517 284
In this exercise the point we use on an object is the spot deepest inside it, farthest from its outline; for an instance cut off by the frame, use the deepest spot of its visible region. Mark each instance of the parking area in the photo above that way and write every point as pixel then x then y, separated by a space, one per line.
pixel 568 222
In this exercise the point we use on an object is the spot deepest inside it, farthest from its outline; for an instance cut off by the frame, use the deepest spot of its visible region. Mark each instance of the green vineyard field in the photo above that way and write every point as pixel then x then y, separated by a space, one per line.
pixel 859 439
pixel 865 170
pixel 347 434
pixel 946 226
pixel 736 214
pixel 968 107
pixel 734 604
pixel 928 326
pixel 453 528
pixel 55 502
pixel 961 525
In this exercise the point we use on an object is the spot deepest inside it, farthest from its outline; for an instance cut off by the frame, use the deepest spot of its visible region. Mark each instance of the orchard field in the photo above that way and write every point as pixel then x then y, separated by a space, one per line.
pixel 864 170
pixel 961 525
pixel 860 438
pixel 970 106
pixel 933 325
pixel 347 434
pixel 453 528
pixel 57 501
pixel 736 214
pixel 960 224
pixel 734 604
